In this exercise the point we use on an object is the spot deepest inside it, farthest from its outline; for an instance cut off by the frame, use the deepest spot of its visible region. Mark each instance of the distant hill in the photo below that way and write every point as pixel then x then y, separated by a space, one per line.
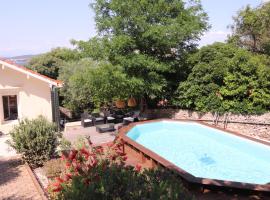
pixel 22 60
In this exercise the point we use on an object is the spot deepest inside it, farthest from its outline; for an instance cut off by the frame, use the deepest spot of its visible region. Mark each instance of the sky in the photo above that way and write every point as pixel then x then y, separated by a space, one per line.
pixel 36 26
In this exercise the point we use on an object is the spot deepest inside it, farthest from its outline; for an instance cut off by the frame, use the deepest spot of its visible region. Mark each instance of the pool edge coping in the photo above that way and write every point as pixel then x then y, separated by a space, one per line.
pixel 186 175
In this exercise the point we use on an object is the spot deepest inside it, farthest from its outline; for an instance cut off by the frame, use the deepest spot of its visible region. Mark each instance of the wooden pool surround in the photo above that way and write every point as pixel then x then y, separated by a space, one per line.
pixel 150 159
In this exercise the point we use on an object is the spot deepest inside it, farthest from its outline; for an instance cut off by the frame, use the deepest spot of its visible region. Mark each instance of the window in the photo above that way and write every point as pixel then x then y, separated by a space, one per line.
pixel 10 107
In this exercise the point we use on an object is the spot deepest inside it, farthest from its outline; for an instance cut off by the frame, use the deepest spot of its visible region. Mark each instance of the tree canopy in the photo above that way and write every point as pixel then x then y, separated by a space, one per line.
pixel 251 28
pixel 90 84
pixel 49 63
pixel 226 78
pixel 150 39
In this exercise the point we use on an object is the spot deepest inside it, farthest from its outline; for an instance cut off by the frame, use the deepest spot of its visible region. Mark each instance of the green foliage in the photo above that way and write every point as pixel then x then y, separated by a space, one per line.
pixel 251 28
pixel 150 39
pixel 35 139
pixel 89 83
pixel 101 173
pixel 95 48
pixel 110 83
pixel 48 64
pixel 226 78
pixel 77 92
pixel 64 144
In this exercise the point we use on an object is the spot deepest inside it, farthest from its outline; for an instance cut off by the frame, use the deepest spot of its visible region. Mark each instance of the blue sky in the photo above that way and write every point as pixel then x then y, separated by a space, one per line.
pixel 36 26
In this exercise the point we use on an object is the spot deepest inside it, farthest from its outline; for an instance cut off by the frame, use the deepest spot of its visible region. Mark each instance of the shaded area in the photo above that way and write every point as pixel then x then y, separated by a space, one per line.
pixel 15 181
pixel 10 169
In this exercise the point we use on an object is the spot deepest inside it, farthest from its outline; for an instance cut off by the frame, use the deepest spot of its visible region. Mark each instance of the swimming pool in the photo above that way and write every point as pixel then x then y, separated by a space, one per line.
pixel 204 152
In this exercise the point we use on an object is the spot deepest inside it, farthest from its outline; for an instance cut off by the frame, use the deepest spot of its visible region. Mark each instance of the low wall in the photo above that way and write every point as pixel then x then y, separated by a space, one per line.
pixel 257 126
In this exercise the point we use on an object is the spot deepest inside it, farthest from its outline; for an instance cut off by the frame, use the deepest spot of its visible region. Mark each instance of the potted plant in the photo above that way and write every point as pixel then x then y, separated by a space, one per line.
pixel 132 102
pixel 120 103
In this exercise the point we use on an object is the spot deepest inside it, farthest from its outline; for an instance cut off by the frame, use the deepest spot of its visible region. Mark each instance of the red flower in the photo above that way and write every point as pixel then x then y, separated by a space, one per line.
pixel 85 152
pixel 60 180
pixel 67 177
pixel 68 164
pixel 77 166
pixel 72 154
pixel 57 189
pixel 138 168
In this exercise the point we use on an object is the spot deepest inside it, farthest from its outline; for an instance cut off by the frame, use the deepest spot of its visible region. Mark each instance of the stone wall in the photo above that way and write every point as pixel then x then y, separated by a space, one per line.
pixel 238 123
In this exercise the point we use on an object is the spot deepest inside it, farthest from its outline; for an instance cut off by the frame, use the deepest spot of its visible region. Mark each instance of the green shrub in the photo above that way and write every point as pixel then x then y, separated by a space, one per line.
pixel 35 139
pixel 64 144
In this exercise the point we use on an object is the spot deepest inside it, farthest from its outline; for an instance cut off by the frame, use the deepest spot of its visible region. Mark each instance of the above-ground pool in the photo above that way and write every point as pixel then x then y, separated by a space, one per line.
pixel 205 153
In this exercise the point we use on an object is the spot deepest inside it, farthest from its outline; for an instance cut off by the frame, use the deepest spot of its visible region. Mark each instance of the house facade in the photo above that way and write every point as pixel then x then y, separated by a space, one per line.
pixel 26 94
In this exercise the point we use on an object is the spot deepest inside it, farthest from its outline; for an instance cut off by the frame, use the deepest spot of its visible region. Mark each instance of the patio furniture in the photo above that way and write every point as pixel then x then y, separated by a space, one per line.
pixel 132 117
pixel 98 119
pixel 105 128
pixel 118 115
pixel 86 120
pixel 108 117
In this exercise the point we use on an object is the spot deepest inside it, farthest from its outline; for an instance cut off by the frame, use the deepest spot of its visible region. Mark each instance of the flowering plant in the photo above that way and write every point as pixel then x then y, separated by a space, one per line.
pixel 102 173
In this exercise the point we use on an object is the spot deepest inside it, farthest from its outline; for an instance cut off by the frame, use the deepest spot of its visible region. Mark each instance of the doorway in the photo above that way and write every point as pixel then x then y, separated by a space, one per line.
pixel 10 107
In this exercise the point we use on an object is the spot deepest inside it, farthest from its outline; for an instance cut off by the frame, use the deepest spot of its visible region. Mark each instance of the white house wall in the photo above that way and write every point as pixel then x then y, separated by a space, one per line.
pixel 33 95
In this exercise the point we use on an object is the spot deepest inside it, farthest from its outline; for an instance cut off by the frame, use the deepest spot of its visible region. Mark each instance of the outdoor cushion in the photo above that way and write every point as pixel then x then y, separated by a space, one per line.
pixel 87 120
pixel 99 119
pixel 129 119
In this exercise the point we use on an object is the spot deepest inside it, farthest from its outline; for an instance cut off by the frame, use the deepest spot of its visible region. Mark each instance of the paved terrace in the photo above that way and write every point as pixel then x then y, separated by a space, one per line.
pixel 74 131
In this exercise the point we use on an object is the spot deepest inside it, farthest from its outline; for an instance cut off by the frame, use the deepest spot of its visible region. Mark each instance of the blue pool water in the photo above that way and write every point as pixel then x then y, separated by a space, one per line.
pixel 206 152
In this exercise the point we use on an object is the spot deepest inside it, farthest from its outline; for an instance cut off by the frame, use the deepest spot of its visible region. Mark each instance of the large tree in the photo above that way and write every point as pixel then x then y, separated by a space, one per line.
pixel 150 39
pixel 226 78
pixel 49 63
pixel 90 84
pixel 251 28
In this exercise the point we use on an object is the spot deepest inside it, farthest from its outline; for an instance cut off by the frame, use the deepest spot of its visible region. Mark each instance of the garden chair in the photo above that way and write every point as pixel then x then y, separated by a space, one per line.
pixel 131 117
pixel 86 120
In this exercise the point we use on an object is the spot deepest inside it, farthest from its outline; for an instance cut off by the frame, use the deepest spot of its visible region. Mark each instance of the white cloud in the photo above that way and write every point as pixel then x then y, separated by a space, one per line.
pixel 213 36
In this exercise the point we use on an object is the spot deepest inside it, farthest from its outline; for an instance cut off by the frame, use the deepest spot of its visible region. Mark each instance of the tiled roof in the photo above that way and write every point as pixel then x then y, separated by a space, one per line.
pixel 31 72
